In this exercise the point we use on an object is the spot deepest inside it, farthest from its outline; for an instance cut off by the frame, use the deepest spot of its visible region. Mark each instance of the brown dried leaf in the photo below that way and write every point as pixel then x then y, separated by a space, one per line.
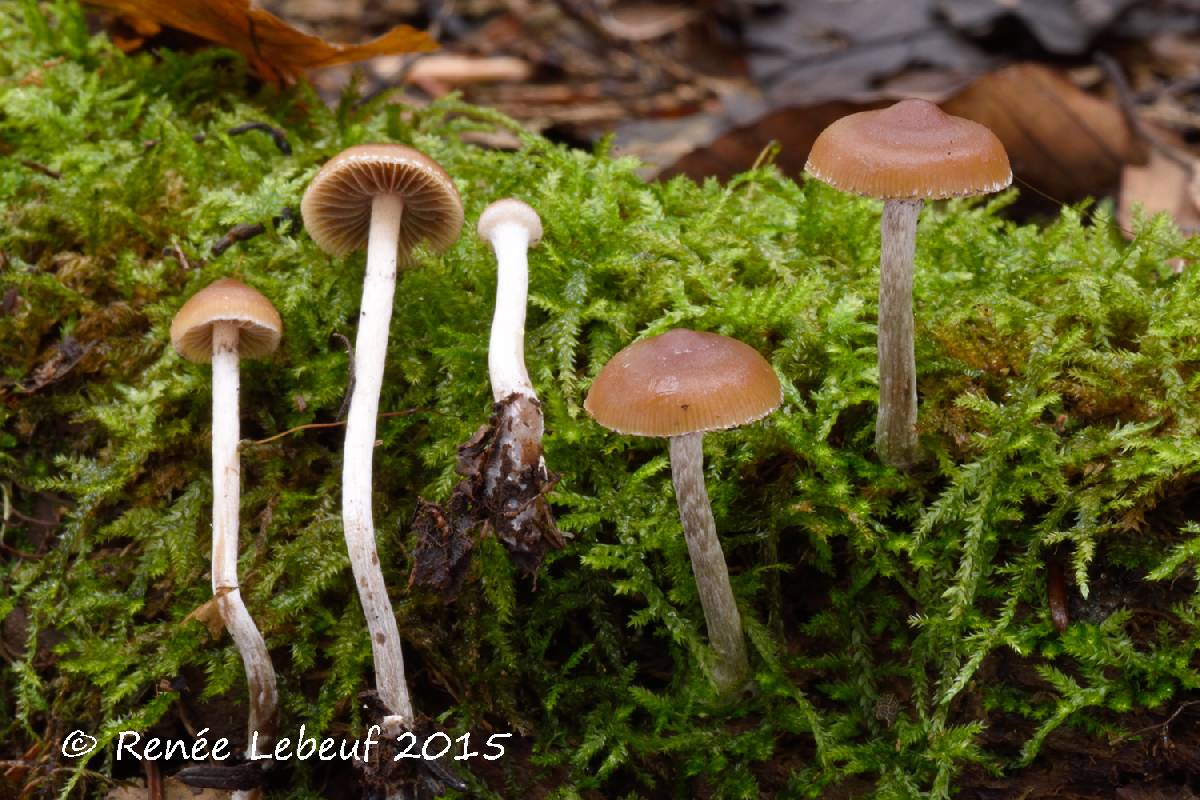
pixel 441 558
pixel 208 614
pixel 503 493
pixel 1060 139
pixel 274 49
pixel 508 481
pixel 1162 185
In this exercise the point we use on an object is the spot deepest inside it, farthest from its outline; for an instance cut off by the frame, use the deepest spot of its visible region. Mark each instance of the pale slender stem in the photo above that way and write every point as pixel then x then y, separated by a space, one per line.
pixel 506 350
pixel 731 668
pixel 260 674
pixel 370 350
pixel 896 426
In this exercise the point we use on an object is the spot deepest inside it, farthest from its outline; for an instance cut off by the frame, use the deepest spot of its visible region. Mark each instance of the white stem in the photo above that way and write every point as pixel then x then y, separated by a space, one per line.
pixel 379 286
pixel 731 666
pixel 260 674
pixel 506 350
pixel 896 425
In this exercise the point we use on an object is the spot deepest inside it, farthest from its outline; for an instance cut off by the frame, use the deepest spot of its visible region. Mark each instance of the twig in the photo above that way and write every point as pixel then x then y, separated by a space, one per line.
pixel 238 233
pixel 1156 726
pixel 8 548
pixel 276 134
pixel 248 230
pixel 42 168
pixel 1126 103
pixel 176 252
pixel 339 424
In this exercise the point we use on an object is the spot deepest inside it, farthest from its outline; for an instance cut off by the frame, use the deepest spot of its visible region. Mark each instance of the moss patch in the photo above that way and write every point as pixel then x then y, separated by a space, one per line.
pixel 899 627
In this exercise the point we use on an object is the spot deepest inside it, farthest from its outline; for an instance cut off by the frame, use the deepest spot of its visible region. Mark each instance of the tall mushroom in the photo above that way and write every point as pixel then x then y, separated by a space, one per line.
pixel 680 385
pixel 904 154
pixel 223 323
pixel 388 197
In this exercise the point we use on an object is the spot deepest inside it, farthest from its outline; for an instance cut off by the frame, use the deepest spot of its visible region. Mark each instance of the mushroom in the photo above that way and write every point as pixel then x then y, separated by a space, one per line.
pixel 904 154
pixel 512 227
pixel 508 453
pixel 222 323
pixel 680 385
pixel 388 197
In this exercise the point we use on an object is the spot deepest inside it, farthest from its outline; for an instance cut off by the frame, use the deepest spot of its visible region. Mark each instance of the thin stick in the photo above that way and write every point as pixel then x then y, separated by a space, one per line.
pixel 339 424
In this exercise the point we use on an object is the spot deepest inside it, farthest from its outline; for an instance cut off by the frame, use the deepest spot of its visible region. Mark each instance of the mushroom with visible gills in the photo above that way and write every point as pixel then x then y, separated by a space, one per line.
pixel 222 323
pixel 681 385
pixel 388 197
pixel 904 154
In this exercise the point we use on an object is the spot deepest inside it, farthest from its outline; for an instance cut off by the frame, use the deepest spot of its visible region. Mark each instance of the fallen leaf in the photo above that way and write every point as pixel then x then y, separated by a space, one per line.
pixel 820 50
pixel 1162 185
pixel 1062 141
pixel 644 23
pixel 1061 26
pixel 273 49
pixel 209 615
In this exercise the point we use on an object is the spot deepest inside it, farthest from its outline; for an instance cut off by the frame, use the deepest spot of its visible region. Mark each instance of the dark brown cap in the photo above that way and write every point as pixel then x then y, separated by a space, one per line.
pixel 910 150
pixel 337 204
pixel 226 300
pixel 683 382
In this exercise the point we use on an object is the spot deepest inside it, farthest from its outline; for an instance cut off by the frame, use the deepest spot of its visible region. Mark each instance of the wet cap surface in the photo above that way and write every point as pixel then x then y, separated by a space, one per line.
pixel 911 150
pixel 337 204
pixel 226 300
pixel 683 382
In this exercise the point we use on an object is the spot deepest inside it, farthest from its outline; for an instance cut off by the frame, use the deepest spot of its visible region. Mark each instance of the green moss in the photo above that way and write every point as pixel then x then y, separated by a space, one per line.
pixel 1060 403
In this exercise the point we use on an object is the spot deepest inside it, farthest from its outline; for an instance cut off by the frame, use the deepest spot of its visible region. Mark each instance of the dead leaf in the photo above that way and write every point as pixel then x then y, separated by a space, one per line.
pixel 1163 185
pixel 275 50
pixel 209 615
pixel 1061 140
pixel 1061 26
pixel 503 493
pixel 807 53
pixel 66 356
pixel 644 23
pixel 441 557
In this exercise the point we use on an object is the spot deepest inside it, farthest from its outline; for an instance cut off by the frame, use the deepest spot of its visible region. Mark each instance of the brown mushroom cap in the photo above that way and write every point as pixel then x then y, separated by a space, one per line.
pixel 226 300
pixel 337 204
pixel 910 150
pixel 510 210
pixel 683 382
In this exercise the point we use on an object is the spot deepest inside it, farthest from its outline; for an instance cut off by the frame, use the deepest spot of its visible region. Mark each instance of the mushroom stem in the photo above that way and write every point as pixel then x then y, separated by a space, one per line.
pixel 506 350
pixel 379 286
pixel 260 674
pixel 731 667
pixel 896 426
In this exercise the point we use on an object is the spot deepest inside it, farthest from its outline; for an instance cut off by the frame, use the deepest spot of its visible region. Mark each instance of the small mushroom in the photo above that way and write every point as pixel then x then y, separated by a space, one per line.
pixel 223 323
pixel 387 197
pixel 904 154
pixel 509 454
pixel 680 385
pixel 512 227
